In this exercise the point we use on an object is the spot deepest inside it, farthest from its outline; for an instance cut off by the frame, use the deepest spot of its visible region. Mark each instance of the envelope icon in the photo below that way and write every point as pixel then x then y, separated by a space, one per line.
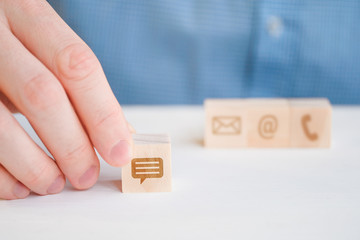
pixel 226 125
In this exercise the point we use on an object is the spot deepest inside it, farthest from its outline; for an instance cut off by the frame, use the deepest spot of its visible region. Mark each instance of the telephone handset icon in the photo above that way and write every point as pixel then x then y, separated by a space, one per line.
pixel 304 121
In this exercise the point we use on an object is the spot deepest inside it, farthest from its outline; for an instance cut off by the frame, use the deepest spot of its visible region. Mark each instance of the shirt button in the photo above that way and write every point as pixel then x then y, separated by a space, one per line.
pixel 275 26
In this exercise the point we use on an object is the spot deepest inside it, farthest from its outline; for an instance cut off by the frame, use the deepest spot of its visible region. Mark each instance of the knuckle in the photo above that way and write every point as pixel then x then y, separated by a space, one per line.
pixel 76 62
pixel 37 176
pixel 41 92
pixel 107 117
pixel 74 153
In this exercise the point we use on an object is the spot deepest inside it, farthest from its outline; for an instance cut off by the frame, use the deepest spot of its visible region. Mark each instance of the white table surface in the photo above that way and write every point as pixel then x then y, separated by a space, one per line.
pixel 217 194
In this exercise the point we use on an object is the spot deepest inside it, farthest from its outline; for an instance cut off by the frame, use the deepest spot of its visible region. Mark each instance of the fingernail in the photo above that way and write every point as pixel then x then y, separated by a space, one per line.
pixel 20 191
pixel 57 185
pixel 89 177
pixel 121 153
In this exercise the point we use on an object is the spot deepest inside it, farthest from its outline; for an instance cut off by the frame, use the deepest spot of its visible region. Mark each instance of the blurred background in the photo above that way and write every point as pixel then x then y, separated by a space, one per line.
pixel 181 52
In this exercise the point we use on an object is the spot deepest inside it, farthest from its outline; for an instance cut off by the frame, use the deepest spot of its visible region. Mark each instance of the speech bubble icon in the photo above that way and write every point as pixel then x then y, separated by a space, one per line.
pixel 144 168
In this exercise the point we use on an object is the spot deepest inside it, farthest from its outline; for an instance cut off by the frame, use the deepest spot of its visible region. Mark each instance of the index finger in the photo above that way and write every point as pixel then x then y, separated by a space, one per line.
pixel 54 43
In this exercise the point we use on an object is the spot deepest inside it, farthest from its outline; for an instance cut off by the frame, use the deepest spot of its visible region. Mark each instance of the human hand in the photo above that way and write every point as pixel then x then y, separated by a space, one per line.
pixel 52 77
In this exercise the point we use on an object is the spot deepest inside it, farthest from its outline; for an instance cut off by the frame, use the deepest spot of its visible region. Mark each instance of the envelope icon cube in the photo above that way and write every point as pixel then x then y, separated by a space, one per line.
pixel 226 125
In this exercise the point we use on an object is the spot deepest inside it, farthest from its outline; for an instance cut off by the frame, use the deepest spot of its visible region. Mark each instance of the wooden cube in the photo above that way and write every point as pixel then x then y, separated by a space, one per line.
pixel 150 168
pixel 310 123
pixel 225 123
pixel 268 123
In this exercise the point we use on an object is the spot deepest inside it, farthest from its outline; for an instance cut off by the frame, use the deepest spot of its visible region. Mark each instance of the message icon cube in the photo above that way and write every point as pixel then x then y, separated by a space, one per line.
pixel 144 168
pixel 150 168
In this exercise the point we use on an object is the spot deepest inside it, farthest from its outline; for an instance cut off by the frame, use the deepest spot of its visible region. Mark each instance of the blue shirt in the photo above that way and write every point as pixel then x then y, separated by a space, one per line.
pixel 170 52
